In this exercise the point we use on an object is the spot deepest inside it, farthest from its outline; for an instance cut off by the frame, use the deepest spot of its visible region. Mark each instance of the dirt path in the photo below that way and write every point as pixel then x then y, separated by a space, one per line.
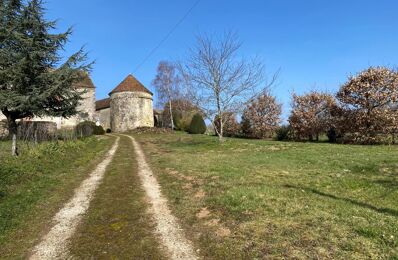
pixel 118 224
pixel 167 227
pixel 55 243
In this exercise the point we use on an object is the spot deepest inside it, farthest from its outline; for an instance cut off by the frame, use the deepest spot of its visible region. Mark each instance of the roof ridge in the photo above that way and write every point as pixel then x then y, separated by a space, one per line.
pixel 102 104
pixel 130 84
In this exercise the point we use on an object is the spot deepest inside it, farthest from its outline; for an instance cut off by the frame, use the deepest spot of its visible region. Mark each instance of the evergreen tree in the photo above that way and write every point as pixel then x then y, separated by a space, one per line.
pixel 198 125
pixel 33 79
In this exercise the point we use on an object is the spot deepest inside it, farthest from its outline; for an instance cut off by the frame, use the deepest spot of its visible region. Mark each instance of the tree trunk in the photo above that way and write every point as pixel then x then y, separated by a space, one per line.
pixel 220 114
pixel 171 115
pixel 13 128
pixel 221 133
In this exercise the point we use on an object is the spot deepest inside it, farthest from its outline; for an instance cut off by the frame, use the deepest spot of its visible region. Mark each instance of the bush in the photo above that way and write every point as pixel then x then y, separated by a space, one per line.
pixel 177 116
pixel 108 131
pixel 231 127
pixel 99 130
pixel 283 133
pixel 84 129
pixel 261 117
pixel 88 128
pixel 183 111
pixel 197 125
pixel 312 115
pixel 182 120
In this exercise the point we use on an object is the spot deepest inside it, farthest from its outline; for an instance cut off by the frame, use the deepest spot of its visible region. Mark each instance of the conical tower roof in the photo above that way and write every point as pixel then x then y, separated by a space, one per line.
pixel 85 82
pixel 130 84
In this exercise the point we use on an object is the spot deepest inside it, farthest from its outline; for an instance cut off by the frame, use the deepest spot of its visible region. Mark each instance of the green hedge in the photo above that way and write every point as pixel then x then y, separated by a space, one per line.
pixel 88 128
pixel 198 125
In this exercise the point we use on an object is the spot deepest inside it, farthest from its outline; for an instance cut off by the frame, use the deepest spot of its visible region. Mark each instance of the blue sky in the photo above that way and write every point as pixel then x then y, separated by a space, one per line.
pixel 317 44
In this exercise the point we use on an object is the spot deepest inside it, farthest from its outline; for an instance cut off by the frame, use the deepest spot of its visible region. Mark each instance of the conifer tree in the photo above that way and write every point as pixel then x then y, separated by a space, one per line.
pixel 33 79
pixel 198 125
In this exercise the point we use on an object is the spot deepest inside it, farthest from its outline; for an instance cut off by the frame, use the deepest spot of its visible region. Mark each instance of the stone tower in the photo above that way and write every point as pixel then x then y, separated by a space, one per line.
pixel 130 106
pixel 86 107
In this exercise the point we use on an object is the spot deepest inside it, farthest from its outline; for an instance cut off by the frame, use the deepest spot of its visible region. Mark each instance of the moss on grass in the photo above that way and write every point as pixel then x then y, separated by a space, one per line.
pixel 117 225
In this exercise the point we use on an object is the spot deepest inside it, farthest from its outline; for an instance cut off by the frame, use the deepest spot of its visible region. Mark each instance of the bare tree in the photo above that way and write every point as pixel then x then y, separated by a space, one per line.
pixel 218 80
pixel 231 126
pixel 167 83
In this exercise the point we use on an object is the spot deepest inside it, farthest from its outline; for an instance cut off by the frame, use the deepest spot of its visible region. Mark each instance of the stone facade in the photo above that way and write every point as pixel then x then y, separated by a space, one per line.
pixel 130 110
pixel 86 109
pixel 104 117
pixel 129 106
pixel 3 129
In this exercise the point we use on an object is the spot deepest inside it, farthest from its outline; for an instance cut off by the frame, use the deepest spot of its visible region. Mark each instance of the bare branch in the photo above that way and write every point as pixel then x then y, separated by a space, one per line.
pixel 219 82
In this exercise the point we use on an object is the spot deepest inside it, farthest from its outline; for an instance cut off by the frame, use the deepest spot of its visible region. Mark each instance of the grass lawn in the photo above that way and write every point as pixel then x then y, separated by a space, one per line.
pixel 36 184
pixel 256 199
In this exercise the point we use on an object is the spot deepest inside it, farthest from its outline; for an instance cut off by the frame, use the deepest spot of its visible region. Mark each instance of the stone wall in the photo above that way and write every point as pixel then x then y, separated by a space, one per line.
pixel 28 130
pixel 104 118
pixel 3 129
pixel 130 110
pixel 86 110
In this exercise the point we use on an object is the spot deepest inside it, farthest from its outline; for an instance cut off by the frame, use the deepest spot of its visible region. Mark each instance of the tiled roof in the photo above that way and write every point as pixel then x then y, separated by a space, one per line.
pixel 130 84
pixel 102 104
pixel 86 81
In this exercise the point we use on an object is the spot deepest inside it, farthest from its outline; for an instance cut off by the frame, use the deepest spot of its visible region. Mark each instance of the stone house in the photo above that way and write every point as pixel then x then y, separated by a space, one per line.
pixel 86 107
pixel 129 106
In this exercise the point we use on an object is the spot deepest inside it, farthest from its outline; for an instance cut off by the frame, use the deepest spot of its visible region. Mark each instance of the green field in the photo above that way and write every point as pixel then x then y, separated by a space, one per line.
pixel 258 199
pixel 36 184
pixel 241 199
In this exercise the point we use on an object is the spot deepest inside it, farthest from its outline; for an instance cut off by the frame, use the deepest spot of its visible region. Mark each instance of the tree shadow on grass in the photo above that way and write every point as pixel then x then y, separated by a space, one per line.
pixel 387 211
pixel 389 184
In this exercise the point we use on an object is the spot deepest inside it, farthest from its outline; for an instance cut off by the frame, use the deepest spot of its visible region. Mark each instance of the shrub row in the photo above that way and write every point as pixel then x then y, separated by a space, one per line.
pixel 363 111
